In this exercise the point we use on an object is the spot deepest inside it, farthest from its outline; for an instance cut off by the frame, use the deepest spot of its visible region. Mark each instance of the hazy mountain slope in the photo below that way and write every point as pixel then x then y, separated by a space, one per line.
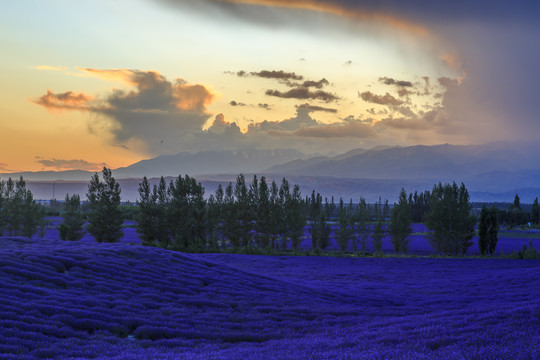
pixel 416 162
pixel 208 162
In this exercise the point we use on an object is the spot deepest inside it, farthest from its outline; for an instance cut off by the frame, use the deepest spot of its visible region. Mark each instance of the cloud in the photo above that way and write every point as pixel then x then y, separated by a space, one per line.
pixel 348 128
pixel 264 106
pixel 404 92
pixel 303 93
pixel 386 99
pixel 154 114
pixel 65 101
pixel 280 75
pixel 53 68
pixel 316 84
pixel 234 103
pixel 354 129
pixel 389 81
pixel 312 108
pixel 264 12
pixel 60 164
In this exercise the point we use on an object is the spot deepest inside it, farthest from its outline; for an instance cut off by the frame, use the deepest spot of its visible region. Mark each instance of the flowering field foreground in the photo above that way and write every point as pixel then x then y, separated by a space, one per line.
pixel 80 300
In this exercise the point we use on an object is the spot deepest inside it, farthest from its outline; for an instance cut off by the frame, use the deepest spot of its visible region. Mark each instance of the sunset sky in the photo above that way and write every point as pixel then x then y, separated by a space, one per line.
pixel 90 83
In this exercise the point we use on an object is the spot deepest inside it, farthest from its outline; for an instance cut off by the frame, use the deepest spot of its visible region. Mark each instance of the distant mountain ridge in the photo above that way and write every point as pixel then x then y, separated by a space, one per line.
pixel 444 162
pixel 492 172
pixel 209 162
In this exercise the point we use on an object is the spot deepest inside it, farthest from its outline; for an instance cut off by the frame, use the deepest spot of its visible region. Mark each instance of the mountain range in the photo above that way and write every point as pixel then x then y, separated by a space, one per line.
pixel 492 172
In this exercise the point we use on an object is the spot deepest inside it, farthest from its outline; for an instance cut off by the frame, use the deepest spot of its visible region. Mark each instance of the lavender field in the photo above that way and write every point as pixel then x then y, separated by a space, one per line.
pixel 80 300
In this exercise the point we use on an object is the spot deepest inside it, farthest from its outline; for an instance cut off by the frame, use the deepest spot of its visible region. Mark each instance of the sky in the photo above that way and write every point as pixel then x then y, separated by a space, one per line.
pixel 87 84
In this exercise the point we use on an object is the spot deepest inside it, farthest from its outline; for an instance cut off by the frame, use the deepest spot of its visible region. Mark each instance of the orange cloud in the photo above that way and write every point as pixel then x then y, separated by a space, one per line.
pixel 61 164
pixel 53 68
pixel 125 76
pixel 192 97
pixel 66 101
pixel 334 9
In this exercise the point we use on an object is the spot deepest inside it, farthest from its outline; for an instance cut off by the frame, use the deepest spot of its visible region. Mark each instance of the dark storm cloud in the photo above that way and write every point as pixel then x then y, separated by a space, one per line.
pixel 303 93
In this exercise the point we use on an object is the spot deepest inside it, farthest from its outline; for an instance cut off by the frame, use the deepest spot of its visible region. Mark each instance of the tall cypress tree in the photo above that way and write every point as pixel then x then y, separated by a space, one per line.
pixel 400 225
pixel 362 234
pixel 344 232
pixel 296 220
pixel 243 211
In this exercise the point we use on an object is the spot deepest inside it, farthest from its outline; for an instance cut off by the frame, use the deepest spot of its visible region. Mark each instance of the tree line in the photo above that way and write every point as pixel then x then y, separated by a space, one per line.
pixel 261 215
pixel 267 216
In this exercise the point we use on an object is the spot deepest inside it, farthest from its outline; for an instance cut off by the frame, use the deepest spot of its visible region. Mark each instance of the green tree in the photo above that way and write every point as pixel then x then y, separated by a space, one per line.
pixel 345 231
pixel 230 218
pixel 450 221
pixel 186 212
pixel 147 216
pixel 3 210
pixel 517 204
pixel 276 215
pixel 19 212
pixel 361 237
pixel 488 230
pixel 377 236
pixel 104 216
pixel 160 196
pixel 296 221
pixel 212 218
pixel 324 231
pixel 243 211
pixel 219 212
pixel 263 222
pixel 72 226
pixel 284 201
pixel 315 210
pixel 535 212
pixel 400 225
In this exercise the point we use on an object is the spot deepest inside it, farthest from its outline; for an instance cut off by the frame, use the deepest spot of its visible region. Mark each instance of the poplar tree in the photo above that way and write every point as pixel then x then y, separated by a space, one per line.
pixel 73 219
pixel 243 211
pixel 104 217
pixel 488 231
pixel 377 236
pixel 344 232
pixel 362 233
pixel 146 219
pixel 400 225
pixel 535 212
pixel 449 220
pixel 296 221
